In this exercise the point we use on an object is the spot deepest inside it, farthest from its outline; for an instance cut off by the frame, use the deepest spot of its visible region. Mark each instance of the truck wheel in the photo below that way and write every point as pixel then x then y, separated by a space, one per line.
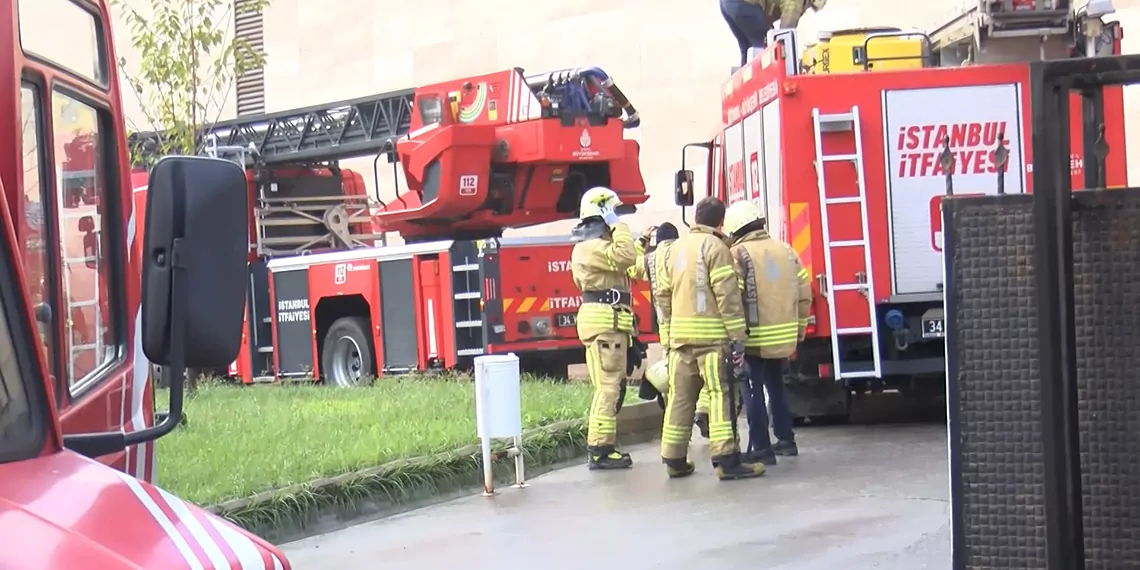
pixel 346 360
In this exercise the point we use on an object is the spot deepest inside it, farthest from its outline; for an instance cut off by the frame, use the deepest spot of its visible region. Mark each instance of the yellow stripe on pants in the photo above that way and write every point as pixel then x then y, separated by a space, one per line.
pixel 690 369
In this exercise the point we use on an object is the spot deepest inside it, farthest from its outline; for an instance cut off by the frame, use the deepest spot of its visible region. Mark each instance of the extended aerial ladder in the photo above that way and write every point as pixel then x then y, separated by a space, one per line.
pixel 478 154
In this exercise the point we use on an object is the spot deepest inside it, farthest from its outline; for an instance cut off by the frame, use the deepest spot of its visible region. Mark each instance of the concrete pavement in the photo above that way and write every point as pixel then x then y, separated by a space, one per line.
pixel 859 497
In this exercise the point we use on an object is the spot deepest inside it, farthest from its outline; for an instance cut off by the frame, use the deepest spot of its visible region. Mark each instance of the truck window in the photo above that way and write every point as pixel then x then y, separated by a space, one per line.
pixel 32 233
pixel 85 245
pixel 44 22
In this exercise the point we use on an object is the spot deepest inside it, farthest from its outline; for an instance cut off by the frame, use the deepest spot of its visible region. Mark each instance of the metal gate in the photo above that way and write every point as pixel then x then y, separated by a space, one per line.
pixel 1043 353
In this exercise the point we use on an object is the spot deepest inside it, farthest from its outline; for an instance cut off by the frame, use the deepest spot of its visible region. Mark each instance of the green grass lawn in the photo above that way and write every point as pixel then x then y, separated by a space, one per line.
pixel 242 440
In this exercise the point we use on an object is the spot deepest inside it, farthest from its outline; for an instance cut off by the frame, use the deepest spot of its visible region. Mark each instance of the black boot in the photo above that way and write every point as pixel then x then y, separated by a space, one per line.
pixel 786 447
pixel 606 457
pixel 701 420
pixel 766 457
pixel 677 468
pixel 731 468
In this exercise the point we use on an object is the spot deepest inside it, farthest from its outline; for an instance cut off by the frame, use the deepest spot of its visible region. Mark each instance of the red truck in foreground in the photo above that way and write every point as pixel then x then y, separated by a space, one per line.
pixel 77 325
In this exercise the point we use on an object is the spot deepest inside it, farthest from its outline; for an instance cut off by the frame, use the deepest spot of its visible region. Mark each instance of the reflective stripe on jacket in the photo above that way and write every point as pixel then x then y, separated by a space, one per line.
pixel 696 291
pixel 776 291
pixel 600 264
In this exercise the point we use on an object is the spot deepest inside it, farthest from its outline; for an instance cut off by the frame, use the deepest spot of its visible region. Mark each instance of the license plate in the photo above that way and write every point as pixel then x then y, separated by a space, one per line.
pixel 566 320
pixel 933 328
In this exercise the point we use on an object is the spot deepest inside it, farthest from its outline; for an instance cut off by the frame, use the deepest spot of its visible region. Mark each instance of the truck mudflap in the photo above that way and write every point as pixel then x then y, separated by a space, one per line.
pixel 1003 496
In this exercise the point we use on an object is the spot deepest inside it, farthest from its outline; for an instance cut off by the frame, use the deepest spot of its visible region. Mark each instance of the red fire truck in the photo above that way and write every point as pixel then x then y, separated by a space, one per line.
pixel 77 422
pixel 480 154
pixel 877 125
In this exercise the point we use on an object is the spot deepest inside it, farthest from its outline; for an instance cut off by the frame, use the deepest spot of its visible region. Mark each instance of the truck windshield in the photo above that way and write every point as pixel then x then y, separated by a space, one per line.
pixel 21 395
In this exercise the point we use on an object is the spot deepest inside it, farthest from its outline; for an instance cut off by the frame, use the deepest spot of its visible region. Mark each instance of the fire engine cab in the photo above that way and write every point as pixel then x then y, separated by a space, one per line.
pixel 849 145
pixel 478 155
pixel 83 305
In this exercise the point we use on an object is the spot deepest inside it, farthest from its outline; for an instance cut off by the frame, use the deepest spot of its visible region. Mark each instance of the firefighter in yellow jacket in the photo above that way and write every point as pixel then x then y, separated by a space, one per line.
pixel 698 296
pixel 600 264
pixel 777 302
pixel 647 268
pixel 649 265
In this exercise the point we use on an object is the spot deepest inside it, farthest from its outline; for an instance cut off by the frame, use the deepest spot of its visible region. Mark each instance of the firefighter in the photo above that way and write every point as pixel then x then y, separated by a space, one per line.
pixel 650 260
pixel 697 295
pixel 750 20
pixel 777 302
pixel 599 264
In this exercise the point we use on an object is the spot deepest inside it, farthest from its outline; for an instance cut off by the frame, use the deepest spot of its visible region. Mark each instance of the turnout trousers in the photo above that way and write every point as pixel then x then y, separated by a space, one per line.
pixel 606 356
pixel 690 369
pixel 767 375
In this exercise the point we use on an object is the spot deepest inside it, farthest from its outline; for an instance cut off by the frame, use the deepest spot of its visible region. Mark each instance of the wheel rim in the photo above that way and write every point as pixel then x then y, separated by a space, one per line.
pixel 347 366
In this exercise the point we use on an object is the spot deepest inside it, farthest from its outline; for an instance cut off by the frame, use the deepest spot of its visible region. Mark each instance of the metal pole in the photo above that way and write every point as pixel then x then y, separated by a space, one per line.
pixel 1053 235
pixel 520 467
pixel 488 468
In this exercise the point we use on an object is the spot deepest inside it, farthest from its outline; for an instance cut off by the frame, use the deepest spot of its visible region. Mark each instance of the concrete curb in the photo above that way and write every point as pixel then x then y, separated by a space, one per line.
pixel 328 504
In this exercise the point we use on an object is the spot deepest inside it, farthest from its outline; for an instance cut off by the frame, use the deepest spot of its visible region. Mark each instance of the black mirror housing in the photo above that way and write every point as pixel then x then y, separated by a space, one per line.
pixel 197 232
pixel 683 188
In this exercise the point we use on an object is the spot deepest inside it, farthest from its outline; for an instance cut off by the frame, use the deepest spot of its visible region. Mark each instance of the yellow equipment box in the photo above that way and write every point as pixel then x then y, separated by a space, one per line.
pixel 866 49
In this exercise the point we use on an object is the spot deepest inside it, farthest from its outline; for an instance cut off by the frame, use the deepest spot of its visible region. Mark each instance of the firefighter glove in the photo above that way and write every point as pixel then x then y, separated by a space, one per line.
pixel 737 353
pixel 609 215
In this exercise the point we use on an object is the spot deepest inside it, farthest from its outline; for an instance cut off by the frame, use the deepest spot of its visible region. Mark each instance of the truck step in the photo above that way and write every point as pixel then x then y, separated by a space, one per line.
pixel 854 330
pixel 848 243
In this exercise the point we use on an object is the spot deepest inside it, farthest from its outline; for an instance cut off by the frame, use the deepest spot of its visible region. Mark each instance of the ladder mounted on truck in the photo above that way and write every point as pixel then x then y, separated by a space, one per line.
pixel 1007 31
pixel 295 213
pixel 863 282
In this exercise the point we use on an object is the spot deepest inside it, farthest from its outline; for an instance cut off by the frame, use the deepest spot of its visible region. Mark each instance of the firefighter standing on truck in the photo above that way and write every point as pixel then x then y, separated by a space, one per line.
pixel 698 296
pixel 750 20
pixel 777 303
pixel 600 263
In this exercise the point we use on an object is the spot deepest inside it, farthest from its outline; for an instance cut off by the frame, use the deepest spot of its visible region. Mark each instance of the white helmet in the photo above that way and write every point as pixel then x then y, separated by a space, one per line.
pixel 741 214
pixel 595 200
pixel 658 375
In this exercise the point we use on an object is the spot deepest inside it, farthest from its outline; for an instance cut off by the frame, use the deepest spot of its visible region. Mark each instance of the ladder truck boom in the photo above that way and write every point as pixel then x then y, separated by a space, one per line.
pixel 479 155
pixel 353 128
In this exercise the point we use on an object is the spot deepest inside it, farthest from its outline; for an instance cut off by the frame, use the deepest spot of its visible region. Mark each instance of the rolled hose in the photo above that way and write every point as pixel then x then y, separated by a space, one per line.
pixel 599 79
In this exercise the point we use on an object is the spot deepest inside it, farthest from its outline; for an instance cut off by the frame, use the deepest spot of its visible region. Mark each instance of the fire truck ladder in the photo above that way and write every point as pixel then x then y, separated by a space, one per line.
pixel 95 344
pixel 841 123
pixel 294 217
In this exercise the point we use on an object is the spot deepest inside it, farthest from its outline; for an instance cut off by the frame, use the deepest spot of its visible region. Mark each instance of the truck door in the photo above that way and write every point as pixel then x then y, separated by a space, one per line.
pixel 72 192
pixel 918 122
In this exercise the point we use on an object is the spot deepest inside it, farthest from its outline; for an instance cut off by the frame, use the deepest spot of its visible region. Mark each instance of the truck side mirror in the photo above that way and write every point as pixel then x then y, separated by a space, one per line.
pixel 683 188
pixel 194 256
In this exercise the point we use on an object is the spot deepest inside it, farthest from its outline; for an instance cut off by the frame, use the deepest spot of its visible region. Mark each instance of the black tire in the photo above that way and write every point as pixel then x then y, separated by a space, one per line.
pixel 347 353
